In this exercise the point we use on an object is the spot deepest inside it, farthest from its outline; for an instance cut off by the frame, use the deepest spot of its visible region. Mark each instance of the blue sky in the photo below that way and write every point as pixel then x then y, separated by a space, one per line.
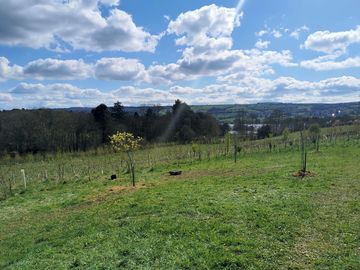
pixel 63 53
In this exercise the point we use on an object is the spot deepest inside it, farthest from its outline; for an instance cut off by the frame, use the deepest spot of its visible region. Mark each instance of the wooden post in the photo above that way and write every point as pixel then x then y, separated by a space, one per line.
pixel 24 177
pixel 235 153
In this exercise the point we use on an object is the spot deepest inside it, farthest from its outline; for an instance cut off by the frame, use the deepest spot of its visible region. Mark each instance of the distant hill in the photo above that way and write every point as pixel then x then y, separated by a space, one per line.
pixel 227 113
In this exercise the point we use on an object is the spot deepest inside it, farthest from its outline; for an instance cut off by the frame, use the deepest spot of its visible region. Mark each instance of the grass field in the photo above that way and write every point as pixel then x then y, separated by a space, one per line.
pixel 250 215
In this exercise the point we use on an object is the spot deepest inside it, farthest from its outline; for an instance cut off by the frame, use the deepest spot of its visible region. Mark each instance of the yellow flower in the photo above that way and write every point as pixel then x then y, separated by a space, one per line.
pixel 125 142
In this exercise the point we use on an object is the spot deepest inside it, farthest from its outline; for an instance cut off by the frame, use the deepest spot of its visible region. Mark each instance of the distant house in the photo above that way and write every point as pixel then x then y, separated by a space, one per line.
pixel 232 131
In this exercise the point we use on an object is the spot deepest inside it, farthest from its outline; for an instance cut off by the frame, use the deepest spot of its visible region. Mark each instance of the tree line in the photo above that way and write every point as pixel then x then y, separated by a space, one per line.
pixel 46 130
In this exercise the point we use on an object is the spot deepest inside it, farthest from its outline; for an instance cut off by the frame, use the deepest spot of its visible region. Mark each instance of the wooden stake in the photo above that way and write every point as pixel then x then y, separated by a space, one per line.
pixel 24 177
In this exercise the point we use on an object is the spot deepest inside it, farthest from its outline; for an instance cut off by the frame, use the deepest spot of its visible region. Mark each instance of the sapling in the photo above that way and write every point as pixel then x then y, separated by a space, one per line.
pixel 303 153
pixel 196 150
pixel 127 143
pixel 237 148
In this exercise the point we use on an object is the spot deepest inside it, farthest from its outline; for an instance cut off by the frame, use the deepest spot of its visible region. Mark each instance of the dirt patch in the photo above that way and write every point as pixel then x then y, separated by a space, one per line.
pixel 303 174
pixel 122 188
pixel 115 190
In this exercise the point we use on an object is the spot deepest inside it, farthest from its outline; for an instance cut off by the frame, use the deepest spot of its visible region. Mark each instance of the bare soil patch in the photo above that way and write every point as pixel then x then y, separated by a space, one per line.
pixel 303 174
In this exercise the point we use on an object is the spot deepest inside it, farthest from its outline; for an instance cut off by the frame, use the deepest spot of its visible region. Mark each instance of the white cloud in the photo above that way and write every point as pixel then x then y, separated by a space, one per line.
pixel 209 27
pixel 296 33
pixel 331 42
pixel 323 64
pixel 281 31
pixel 118 34
pixel 181 90
pixel 78 23
pixel 221 64
pixel 56 95
pixel 26 95
pixel 335 46
pixel 192 65
pixel 122 69
pixel 45 69
pixel 119 69
pixel 248 90
pixel 7 71
pixel 143 96
pixel 4 97
pixel 276 33
pixel 110 2
pixel 166 74
pixel 261 33
pixel 262 44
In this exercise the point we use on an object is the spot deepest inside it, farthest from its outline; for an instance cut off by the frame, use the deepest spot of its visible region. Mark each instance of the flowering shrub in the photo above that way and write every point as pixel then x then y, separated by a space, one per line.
pixel 126 142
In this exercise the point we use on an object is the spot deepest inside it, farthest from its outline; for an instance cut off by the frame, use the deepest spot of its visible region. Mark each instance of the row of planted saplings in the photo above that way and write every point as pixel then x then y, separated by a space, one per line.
pixel 128 143
pixel 123 142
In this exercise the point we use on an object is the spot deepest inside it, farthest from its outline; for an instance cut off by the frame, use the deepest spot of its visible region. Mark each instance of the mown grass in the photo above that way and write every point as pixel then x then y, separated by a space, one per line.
pixel 250 215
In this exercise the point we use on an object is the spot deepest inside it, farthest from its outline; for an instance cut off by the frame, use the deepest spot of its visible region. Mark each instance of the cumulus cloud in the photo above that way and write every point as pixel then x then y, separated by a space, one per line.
pixel 119 69
pixel 282 31
pixel 56 95
pixel 327 63
pixel 267 31
pixel 57 69
pixel 339 89
pixel 58 25
pixel 262 44
pixel 59 95
pixel 335 46
pixel 222 64
pixel 4 97
pixel 192 65
pixel 283 89
pixel 8 71
pixel 122 69
pixel 166 74
pixel 332 42
pixel 209 27
pixel 206 33
pixel 248 90
pixel 296 33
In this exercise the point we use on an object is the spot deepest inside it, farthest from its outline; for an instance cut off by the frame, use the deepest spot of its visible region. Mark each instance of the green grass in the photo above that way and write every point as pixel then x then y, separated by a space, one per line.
pixel 250 215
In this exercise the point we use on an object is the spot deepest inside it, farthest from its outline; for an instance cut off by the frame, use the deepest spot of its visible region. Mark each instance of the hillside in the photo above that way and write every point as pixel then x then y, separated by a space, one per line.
pixel 227 113
pixel 218 214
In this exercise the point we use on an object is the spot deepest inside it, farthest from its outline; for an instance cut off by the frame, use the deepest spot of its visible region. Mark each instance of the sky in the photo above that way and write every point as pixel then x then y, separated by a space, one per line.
pixel 80 53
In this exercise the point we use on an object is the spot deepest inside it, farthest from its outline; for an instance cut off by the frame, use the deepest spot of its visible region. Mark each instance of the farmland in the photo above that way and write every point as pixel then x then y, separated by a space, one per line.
pixel 253 214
